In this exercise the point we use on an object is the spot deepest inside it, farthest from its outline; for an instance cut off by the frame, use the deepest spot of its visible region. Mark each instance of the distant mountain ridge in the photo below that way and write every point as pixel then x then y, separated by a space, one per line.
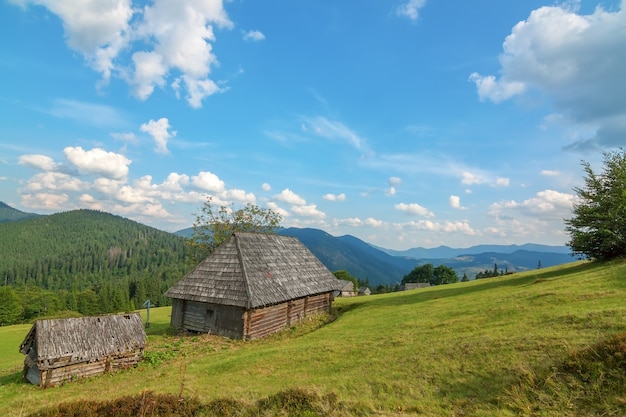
pixel 9 214
pixel 448 252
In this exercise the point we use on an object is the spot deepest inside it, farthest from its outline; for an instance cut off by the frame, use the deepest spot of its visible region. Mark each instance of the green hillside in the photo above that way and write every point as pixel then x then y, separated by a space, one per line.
pixel 538 343
pixel 87 261
pixel 9 214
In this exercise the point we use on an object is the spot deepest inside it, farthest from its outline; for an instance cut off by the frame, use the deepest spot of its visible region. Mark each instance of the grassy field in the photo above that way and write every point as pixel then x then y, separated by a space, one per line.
pixel 506 346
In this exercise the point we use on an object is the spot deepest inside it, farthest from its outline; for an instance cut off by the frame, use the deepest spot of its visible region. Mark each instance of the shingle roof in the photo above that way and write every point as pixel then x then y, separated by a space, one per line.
pixel 85 338
pixel 252 270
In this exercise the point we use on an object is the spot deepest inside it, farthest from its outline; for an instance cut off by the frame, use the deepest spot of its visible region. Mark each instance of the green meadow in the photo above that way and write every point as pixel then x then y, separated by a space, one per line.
pixel 547 342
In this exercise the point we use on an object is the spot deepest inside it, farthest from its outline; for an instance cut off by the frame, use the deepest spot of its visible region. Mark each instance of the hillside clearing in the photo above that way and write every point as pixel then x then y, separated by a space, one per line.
pixel 466 349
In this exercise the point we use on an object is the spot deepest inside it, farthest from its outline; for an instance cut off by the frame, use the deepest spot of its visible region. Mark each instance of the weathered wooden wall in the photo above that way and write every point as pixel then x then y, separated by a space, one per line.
pixel 51 373
pixel 237 323
pixel 264 321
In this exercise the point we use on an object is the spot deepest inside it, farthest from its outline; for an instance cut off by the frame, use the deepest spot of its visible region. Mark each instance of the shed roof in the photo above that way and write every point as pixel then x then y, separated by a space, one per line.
pixel 252 270
pixel 85 338
pixel 346 285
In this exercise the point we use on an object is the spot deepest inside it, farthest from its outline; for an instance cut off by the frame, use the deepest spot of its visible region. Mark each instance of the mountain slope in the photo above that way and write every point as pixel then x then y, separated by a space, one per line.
pixel 352 255
pixel 80 247
pixel 9 214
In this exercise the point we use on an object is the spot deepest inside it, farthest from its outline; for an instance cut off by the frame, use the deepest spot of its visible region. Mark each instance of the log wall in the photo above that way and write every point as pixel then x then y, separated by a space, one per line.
pixel 267 320
pixel 51 373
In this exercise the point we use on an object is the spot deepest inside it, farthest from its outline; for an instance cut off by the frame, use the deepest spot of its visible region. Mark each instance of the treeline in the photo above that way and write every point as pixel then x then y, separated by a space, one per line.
pixel 85 261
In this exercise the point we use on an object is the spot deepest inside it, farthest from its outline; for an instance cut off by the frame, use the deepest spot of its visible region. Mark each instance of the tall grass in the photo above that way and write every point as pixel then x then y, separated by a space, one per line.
pixel 492 347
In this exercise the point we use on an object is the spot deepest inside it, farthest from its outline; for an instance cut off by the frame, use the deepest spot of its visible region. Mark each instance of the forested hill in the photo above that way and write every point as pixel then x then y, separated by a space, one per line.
pixel 88 261
pixel 9 214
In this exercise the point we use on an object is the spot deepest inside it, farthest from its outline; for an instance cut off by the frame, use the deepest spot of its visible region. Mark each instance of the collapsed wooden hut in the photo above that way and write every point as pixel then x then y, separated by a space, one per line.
pixel 59 350
pixel 252 285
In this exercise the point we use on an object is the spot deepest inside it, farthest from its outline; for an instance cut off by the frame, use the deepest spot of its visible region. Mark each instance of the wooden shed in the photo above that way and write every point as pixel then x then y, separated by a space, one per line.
pixel 347 288
pixel 59 350
pixel 252 285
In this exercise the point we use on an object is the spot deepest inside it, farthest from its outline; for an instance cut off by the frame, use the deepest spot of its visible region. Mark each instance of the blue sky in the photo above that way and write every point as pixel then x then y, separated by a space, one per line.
pixel 408 123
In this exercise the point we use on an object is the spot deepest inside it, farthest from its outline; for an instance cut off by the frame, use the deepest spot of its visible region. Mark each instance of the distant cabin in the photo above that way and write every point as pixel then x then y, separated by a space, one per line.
pixel 347 288
pixel 59 350
pixel 365 291
pixel 415 285
pixel 251 286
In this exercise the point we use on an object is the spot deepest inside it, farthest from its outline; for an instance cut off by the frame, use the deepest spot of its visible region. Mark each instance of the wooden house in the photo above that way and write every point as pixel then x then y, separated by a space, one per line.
pixel 365 291
pixel 59 350
pixel 252 285
pixel 347 288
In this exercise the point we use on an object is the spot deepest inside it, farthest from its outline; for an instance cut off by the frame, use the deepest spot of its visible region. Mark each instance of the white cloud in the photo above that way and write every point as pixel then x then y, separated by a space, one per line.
pixel 150 71
pixel 159 130
pixel 394 181
pixel 308 211
pixel 446 227
pixel 334 197
pixel 45 201
pixel 41 162
pixel 333 130
pixel 165 38
pixel 410 9
pixel 370 221
pixel 491 89
pixel 471 179
pixel 275 207
pixel 548 204
pixel 253 35
pixel 238 195
pixel 550 173
pixel 391 191
pixel 502 182
pixel 574 60
pixel 266 187
pixel 414 209
pixel 55 181
pixel 455 202
pixel 289 197
pixel 208 181
pixel 98 162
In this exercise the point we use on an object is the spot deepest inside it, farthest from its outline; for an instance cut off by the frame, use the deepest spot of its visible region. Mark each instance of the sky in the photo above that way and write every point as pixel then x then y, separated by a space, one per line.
pixel 411 123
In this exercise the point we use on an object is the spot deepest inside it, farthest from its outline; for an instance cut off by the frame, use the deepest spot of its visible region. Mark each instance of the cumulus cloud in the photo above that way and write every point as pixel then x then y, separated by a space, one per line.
pixel 253 35
pixel 410 9
pixel 414 209
pixel 164 38
pixel 275 207
pixel 98 162
pixel 308 211
pixel 548 204
pixel 159 130
pixel 55 181
pixel 45 201
pixel 289 197
pixel 40 162
pixel 335 197
pixel 208 181
pixel 576 61
pixel 455 202
pixel 467 178
pixel 266 187
pixel 447 226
